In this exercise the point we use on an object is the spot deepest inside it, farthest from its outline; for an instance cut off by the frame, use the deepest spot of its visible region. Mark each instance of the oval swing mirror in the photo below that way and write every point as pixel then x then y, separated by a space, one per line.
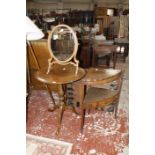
pixel 62 43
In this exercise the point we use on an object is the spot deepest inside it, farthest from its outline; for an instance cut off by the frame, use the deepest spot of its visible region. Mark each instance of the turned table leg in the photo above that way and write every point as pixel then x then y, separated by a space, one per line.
pixel 61 108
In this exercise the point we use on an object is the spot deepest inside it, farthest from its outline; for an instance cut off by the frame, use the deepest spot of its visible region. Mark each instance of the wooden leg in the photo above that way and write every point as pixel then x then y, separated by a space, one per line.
pixel 115 110
pixel 114 59
pixel 119 88
pixel 52 106
pixel 82 119
pixel 27 108
pixel 61 108
pixel 89 111
pixel 108 60
pixel 60 115
pixel 126 52
pixel 74 110
pixel 94 60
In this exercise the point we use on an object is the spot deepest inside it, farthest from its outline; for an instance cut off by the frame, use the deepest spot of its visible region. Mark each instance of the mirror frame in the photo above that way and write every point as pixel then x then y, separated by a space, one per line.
pixel 54 59
pixel 75 48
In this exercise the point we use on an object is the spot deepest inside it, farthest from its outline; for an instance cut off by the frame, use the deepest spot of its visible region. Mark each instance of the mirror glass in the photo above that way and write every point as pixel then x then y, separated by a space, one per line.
pixel 62 43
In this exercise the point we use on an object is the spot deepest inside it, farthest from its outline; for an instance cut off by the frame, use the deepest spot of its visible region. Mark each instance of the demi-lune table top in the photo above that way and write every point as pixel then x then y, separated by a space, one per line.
pixel 97 75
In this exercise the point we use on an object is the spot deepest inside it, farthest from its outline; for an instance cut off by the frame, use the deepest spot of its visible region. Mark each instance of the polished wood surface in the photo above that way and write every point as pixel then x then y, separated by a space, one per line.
pixel 85 53
pixel 60 74
pixel 40 49
pixel 99 97
pixel 106 48
pixel 98 75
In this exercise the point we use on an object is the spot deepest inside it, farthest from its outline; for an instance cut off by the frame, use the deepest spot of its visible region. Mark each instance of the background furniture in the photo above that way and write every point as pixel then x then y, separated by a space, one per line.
pixel 124 47
pixel 40 49
pixel 108 51
pixel 85 53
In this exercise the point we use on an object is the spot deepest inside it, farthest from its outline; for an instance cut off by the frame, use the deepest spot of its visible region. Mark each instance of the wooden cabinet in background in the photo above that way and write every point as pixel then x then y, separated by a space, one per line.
pixel 42 54
pixel 100 11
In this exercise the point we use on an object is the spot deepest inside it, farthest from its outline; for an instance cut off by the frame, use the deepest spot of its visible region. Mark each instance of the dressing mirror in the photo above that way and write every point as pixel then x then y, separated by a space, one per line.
pixel 63 46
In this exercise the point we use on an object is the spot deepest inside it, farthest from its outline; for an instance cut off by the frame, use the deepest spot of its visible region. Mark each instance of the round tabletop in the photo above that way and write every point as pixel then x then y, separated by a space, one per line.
pixel 60 74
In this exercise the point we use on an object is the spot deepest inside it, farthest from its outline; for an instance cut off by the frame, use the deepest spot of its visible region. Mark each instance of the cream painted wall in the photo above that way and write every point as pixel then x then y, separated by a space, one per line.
pixel 73 5
pixel 78 6
pixel 40 6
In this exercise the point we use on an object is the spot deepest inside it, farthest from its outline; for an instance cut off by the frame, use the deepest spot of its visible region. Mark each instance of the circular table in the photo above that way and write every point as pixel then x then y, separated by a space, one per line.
pixel 61 75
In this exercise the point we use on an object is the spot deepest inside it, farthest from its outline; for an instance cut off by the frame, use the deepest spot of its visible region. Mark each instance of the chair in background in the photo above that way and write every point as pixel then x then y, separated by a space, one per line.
pixel 108 52
pixel 124 47
pixel 96 97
